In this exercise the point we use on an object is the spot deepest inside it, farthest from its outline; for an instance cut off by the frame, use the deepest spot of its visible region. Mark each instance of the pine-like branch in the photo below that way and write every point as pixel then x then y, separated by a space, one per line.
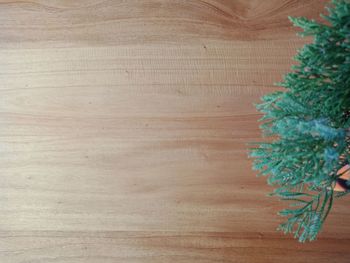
pixel 311 121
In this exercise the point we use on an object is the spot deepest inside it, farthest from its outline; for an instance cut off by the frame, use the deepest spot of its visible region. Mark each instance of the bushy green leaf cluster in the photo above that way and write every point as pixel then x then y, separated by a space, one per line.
pixel 308 124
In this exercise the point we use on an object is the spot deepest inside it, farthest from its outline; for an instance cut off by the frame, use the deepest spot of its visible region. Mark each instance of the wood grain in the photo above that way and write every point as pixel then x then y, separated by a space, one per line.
pixel 123 132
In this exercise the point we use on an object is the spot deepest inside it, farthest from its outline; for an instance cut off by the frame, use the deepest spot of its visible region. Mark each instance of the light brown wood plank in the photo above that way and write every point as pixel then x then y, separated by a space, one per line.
pixel 163 247
pixel 124 128
pixel 108 22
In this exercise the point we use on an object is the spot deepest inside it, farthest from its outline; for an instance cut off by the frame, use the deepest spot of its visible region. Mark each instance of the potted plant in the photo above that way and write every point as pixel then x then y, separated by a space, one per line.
pixel 306 154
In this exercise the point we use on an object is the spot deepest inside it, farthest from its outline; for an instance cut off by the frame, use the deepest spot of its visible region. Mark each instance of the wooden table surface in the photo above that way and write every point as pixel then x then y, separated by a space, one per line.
pixel 123 132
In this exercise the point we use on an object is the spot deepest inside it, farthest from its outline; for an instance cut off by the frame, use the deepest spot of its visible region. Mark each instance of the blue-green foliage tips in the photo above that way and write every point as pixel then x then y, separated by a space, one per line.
pixel 307 125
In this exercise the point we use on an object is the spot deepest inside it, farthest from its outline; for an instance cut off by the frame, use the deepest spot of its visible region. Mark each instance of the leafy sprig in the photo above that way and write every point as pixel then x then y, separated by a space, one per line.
pixel 308 124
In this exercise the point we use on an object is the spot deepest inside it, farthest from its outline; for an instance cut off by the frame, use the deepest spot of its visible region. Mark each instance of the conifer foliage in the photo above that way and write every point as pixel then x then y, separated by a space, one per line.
pixel 308 124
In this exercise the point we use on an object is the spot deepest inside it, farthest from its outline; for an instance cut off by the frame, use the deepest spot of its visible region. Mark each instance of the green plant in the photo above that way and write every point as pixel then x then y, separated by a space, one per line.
pixel 308 124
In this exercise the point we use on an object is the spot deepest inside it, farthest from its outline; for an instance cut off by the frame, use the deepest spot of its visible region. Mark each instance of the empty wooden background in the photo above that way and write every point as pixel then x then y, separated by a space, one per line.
pixel 123 131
